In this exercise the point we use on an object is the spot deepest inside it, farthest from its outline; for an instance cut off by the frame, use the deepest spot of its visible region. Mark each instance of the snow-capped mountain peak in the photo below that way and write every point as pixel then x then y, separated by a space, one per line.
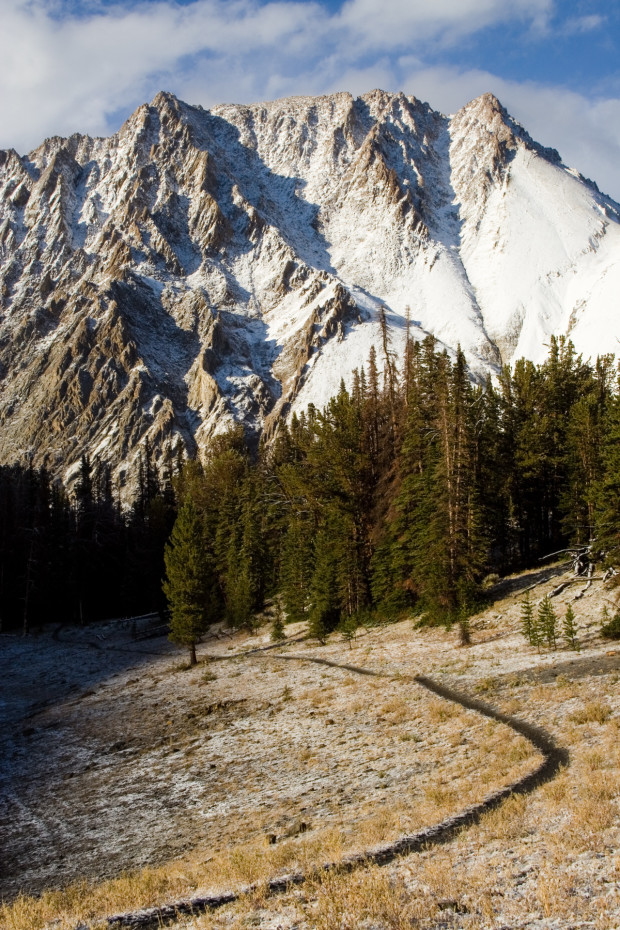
pixel 201 265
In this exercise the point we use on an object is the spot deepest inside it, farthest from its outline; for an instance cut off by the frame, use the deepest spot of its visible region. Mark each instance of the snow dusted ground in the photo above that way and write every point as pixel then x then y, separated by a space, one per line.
pixel 129 760
pixel 550 861
pixel 148 760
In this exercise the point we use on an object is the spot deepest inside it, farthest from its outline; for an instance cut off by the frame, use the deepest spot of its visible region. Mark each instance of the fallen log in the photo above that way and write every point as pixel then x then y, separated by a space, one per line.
pixel 560 588
pixel 589 583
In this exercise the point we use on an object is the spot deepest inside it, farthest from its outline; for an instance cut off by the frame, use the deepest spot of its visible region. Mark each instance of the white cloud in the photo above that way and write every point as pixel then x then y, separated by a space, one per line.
pixel 57 76
pixel 396 22
pixel 61 74
pixel 581 24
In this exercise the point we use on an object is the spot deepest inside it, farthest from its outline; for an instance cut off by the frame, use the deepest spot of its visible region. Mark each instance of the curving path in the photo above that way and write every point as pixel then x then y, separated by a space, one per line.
pixel 554 757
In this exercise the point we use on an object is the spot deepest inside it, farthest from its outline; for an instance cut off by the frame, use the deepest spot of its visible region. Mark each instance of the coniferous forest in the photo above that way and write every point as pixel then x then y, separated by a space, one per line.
pixel 401 495
pixel 80 557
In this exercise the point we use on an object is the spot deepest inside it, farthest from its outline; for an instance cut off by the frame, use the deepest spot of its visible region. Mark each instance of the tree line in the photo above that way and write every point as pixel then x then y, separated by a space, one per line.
pixel 402 494
pixel 80 557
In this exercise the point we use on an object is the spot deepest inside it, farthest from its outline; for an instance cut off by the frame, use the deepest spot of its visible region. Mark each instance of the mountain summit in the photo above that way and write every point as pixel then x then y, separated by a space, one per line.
pixel 202 265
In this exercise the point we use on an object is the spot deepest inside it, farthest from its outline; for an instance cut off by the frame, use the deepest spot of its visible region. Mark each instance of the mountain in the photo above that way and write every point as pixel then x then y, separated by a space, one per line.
pixel 203 265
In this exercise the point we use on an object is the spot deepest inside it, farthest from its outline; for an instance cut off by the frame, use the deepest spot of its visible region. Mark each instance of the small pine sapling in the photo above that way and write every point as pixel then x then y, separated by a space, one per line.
pixel 317 628
pixel 610 628
pixel 464 615
pixel 528 621
pixel 348 628
pixel 277 628
pixel 570 630
pixel 547 622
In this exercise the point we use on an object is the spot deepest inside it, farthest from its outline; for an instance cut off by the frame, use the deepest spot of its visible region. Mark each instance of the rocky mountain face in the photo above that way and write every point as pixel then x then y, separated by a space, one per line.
pixel 200 266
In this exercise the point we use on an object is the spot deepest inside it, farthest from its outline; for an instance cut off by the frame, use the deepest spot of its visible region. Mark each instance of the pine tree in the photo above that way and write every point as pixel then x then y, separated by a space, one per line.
pixel 564 379
pixel 583 466
pixel 84 539
pixel 528 621
pixel 189 578
pixel 372 415
pixel 296 567
pixel 528 448
pixel 570 630
pixel 608 490
pixel 390 382
pixel 547 622
pixel 277 627
pixel 238 586
pixel 464 615
pixel 610 628
pixel 494 470
pixel 317 627
pixel 348 628
pixel 447 540
pixel 324 594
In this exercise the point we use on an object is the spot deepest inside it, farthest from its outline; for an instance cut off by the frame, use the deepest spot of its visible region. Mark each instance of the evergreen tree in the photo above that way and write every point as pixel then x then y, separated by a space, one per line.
pixel 528 621
pixel 547 622
pixel 583 469
pixel 390 385
pixel 85 539
pixel 324 594
pixel 327 538
pixel 494 471
pixel 296 567
pixel 464 621
pixel 446 545
pixel 372 416
pixel 396 495
pixel 277 627
pixel 148 524
pixel 570 630
pixel 58 553
pixel 189 579
pixel 610 628
pixel 348 628
pixel 608 489
pixel 528 441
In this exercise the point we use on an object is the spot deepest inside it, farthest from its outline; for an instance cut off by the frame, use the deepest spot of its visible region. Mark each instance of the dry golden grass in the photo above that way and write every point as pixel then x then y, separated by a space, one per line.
pixel 255 862
pixel 372 897
pixel 554 890
pixel 398 709
pixel 507 821
pixel 592 712
pixel 439 710
pixel 369 896
pixel 469 879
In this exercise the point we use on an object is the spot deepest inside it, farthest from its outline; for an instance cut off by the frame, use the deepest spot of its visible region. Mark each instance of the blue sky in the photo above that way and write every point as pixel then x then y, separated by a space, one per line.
pixel 84 65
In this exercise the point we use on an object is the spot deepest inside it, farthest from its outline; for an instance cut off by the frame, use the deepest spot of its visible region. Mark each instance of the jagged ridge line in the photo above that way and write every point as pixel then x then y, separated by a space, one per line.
pixel 554 758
